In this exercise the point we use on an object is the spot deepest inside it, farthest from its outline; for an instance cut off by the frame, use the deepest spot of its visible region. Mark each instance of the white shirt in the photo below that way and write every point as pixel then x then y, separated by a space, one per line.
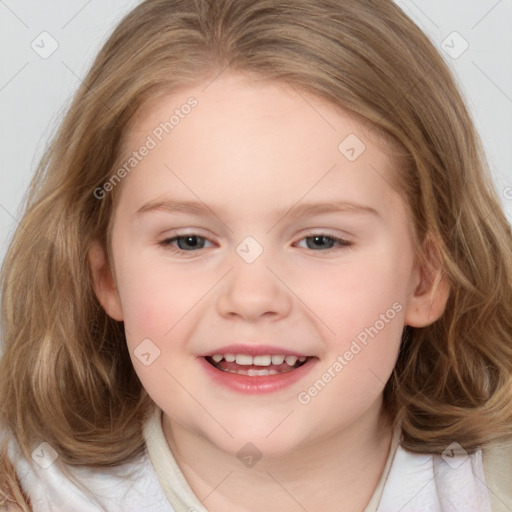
pixel 410 483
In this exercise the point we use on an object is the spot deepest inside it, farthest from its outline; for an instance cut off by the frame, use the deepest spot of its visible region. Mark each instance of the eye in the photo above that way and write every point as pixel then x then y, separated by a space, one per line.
pixel 318 242
pixel 325 243
pixel 185 243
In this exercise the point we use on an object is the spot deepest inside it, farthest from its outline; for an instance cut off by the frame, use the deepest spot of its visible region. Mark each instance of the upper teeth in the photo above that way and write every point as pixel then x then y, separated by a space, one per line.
pixel 266 360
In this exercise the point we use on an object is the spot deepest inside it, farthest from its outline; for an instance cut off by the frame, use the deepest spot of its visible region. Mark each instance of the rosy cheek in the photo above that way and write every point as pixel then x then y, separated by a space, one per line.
pixel 141 310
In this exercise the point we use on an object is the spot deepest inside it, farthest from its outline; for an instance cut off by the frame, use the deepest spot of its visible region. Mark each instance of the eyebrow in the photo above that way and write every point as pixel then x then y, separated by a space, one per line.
pixel 294 212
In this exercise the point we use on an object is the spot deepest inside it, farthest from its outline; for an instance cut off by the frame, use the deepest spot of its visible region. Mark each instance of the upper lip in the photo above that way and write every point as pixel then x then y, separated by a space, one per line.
pixel 254 350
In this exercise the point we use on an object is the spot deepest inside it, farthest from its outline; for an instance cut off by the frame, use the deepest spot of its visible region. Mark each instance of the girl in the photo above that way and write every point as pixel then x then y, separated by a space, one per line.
pixel 176 336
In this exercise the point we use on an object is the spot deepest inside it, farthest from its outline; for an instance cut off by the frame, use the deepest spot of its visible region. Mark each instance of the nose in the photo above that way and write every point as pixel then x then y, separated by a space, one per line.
pixel 253 292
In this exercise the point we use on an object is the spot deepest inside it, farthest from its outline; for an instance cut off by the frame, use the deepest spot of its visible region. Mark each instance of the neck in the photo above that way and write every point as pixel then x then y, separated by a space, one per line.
pixel 343 467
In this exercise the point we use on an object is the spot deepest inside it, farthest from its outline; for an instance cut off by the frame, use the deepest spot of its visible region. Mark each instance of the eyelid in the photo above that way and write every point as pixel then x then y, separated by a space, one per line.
pixel 326 232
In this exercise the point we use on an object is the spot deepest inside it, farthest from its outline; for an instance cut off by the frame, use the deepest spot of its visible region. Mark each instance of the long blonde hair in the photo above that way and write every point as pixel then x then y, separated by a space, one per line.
pixel 66 377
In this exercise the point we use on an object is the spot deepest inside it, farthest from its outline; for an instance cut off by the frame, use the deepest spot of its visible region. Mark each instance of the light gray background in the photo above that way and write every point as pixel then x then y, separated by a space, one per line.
pixel 35 91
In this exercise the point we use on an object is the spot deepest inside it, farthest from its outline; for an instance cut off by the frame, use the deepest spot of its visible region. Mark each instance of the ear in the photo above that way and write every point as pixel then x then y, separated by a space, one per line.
pixel 104 283
pixel 429 288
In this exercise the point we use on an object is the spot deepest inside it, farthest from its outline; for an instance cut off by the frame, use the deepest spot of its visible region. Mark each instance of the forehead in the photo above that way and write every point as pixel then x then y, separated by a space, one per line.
pixel 242 99
pixel 236 133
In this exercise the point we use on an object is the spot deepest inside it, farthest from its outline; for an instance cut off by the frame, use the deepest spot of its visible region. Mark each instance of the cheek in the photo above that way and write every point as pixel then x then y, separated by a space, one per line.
pixel 154 298
pixel 366 313
pixel 155 304
pixel 352 296
pixel 361 307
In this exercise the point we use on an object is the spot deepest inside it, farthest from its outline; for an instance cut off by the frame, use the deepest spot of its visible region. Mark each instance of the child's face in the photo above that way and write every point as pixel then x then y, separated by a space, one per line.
pixel 251 156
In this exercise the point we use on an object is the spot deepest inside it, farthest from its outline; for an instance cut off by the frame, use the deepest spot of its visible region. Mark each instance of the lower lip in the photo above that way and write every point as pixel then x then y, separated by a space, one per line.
pixel 258 383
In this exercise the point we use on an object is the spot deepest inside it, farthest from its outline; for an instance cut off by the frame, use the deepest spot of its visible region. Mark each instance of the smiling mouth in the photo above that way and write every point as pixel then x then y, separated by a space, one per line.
pixel 262 365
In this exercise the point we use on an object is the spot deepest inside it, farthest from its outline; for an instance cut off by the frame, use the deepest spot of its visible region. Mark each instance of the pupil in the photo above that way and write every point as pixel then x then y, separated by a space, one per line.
pixel 317 240
pixel 189 241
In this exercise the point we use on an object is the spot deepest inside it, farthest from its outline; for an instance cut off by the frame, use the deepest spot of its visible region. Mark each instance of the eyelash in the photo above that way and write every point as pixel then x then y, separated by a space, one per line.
pixel 343 244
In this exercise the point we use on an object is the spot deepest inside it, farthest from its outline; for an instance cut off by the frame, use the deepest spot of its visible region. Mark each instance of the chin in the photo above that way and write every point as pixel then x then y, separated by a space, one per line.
pixel 264 440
